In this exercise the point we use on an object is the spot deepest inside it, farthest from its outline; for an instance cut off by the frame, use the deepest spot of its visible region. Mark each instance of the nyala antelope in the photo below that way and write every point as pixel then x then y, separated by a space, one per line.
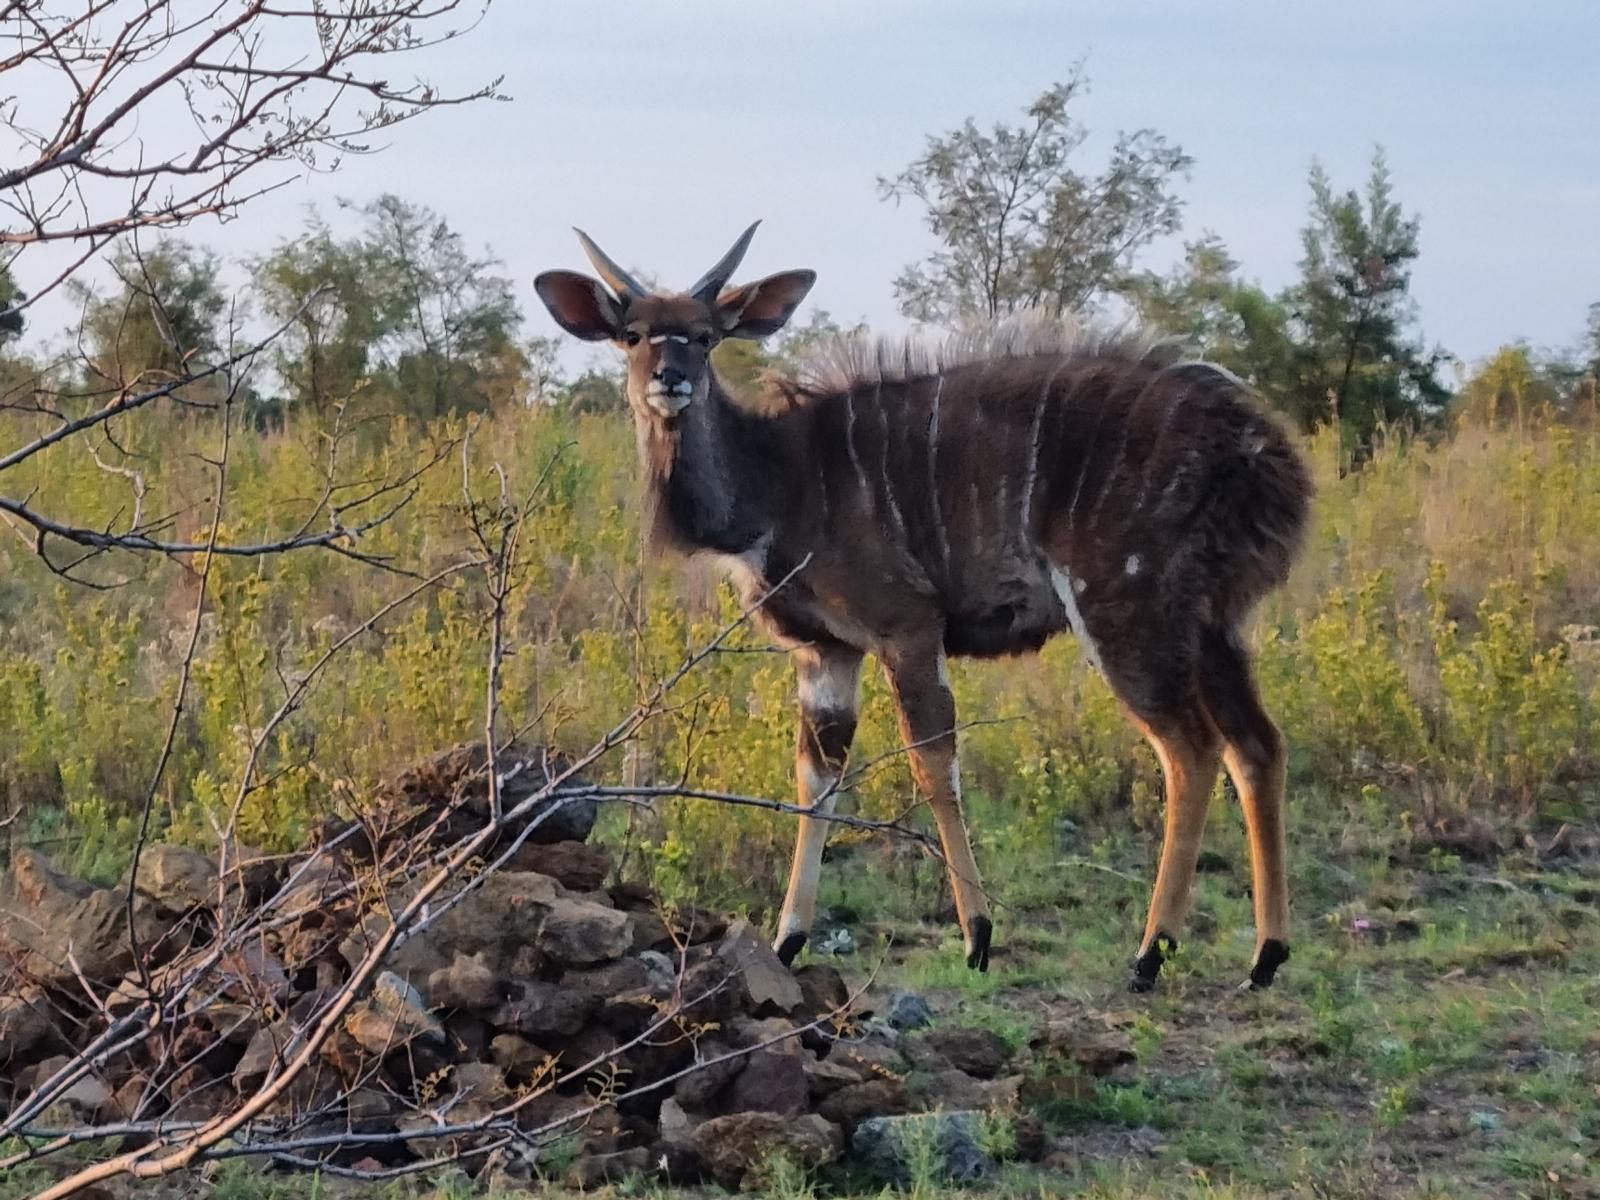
pixel 976 498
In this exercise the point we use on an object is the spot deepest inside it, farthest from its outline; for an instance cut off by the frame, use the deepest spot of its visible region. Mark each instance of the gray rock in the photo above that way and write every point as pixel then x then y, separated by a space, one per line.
pixel 178 877
pixel 889 1145
pixel 907 1010
pixel 763 983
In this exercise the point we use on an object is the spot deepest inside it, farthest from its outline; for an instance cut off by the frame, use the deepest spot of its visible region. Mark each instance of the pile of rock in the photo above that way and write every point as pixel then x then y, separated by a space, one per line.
pixel 616 1036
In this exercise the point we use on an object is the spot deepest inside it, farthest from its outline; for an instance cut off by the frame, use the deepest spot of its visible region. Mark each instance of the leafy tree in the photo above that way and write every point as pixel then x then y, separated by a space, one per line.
pixel 594 391
pixel 1019 225
pixel 320 288
pixel 1352 310
pixel 1232 323
pixel 449 322
pixel 11 320
pixel 166 309
pixel 1515 388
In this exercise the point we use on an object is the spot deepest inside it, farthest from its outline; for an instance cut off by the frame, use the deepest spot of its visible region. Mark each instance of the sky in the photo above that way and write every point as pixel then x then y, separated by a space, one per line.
pixel 664 128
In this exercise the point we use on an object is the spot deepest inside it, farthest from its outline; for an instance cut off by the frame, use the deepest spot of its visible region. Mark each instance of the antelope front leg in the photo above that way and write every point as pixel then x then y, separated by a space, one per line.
pixel 829 678
pixel 928 723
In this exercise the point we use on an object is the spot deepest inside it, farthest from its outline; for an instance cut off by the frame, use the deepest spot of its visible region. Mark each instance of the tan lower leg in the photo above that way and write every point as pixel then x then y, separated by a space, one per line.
pixel 800 902
pixel 1190 769
pixel 1260 783
pixel 943 789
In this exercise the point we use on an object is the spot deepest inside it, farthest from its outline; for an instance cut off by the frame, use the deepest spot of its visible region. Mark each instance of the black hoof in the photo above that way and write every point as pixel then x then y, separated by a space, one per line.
pixel 1272 956
pixel 978 944
pixel 1148 965
pixel 789 949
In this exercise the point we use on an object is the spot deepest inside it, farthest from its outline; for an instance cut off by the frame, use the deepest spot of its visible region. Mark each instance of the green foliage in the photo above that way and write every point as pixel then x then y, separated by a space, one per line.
pixel 1425 638
pixel 167 309
pixel 402 311
pixel 1353 307
pixel 1020 225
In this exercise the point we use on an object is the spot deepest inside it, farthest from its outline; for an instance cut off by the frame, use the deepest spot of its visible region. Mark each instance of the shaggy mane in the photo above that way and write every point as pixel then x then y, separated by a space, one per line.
pixel 846 362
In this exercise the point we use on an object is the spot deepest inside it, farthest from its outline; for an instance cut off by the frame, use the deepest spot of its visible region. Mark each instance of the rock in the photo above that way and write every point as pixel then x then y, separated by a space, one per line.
pixel 978 1052
pixel 514 920
pixel 178 878
pixel 762 983
pixel 447 795
pixel 394 1015
pixel 574 865
pixel 266 1047
pixel 537 1009
pixel 675 1123
pixel 827 1075
pixel 466 983
pixel 886 1145
pixel 738 1149
pixel 580 931
pixel 56 926
pixel 698 1089
pixel 851 1105
pixel 519 1058
pixel 907 1011
pixel 770 1082
pixel 590 1171
pixel 25 1024
pixel 85 1099
pixel 1094 1052
pixel 253 973
pixel 822 990
pixel 953 1088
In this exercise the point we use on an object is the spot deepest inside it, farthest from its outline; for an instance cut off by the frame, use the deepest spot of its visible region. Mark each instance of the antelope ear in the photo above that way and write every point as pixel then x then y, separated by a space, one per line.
pixel 760 309
pixel 580 305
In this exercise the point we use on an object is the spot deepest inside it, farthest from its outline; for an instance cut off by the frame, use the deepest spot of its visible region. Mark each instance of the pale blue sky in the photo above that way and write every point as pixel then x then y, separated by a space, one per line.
pixel 663 128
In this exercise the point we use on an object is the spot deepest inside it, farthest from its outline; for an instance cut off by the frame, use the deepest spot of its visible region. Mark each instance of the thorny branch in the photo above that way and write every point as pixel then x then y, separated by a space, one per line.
pixel 268 93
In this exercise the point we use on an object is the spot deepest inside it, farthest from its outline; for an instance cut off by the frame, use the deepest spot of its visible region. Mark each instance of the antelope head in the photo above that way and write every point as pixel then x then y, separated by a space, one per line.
pixel 666 338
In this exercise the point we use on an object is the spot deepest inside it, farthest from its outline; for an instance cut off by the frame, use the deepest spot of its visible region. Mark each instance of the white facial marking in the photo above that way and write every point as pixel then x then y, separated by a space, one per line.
pixel 1067 590
pixel 658 339
pixel 669 402
pixel 1132 565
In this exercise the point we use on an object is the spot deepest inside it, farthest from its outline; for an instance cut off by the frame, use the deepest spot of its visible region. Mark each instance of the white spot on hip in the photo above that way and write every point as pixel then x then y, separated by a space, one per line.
pixel 1132 565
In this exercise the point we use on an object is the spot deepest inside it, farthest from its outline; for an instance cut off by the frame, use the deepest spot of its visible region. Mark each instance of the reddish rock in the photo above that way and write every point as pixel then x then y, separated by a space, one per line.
pixel 739 1149
pixel 770 1082
pixel 851 1105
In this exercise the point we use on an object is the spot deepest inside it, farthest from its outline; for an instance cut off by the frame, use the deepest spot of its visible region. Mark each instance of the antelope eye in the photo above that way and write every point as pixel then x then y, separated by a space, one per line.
pixel 631 337
pixel 702 340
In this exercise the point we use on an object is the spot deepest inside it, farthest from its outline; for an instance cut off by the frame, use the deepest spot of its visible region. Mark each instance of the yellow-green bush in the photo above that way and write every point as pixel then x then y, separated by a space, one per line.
pixel 1420 637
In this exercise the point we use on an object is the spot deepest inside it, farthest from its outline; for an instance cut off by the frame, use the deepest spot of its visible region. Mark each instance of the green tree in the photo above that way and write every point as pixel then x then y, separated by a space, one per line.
pixel 1019 225
pixel 1235 324
pixel 11 296
pixel 319 288
pixel 1513 388
pixel 1353 310
pixel 164 311
pixel 449 322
